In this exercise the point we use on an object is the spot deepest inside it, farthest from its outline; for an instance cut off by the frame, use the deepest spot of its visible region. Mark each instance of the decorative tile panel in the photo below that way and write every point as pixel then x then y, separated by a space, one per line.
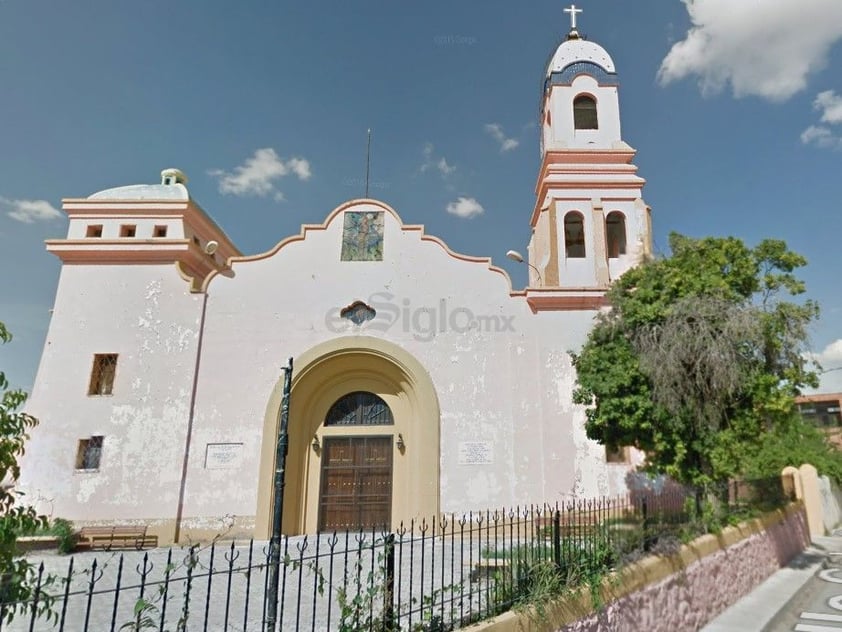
pixel 362 236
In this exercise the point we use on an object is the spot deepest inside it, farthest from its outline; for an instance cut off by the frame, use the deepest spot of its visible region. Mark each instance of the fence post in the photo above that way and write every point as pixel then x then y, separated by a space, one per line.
pixel 791 483
pixel 557 539
pixel 389 588
pixel 647 540
pixel 812 498
pixel 556 536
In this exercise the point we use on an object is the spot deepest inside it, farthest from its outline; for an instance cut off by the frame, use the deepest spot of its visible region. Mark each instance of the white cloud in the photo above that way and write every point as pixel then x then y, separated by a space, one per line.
pixel 830 105
pixel 766 49
pixel 30 211
pixel 259 174
pixel 495 130
pixel 465 207
pixel 432 162
pixel 829 358
pixel 821 137
pixel 300 167
pixel 443 167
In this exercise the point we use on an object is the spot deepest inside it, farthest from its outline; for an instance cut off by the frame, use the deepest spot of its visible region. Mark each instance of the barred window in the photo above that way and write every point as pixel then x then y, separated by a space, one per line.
pixel 616 454
pixel 89 453
pixel 359 409
pixel 102 374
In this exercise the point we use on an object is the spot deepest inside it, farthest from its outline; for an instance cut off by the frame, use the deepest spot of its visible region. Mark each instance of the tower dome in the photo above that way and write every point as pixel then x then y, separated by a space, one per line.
pixel 575 50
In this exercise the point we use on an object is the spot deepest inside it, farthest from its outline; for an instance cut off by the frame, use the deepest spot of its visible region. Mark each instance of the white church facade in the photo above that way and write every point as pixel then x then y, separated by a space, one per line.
pixel 422 382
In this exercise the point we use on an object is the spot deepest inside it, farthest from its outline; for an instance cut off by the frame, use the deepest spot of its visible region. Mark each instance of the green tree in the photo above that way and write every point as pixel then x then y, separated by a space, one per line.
pixel 16 573
pixel 699 357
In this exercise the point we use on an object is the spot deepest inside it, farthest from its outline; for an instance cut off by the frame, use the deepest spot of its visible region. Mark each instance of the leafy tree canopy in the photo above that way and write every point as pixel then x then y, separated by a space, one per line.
pixel 15 572
pixel 699 358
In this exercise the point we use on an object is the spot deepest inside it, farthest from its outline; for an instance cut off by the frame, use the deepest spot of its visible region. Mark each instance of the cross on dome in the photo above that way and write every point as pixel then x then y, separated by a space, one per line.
pixel 573 11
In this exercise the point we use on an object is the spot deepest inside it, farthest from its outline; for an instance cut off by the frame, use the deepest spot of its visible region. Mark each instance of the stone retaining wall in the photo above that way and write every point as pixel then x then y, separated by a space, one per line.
pixel 683 591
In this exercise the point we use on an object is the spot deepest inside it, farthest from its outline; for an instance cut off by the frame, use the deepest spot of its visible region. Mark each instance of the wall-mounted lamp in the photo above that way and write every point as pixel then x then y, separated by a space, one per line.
pixel 400 444
pixel 317 447
pixel 514 255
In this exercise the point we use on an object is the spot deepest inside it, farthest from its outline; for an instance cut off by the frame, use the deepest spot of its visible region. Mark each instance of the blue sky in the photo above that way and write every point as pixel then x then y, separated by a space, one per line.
pixel 735 109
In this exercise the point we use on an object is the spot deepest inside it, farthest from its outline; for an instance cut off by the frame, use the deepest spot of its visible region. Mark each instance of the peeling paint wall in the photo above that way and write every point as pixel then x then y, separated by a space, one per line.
pixel 143 314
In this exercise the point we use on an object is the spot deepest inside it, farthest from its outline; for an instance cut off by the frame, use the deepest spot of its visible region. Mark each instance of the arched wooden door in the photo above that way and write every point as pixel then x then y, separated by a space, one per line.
pixel 355 490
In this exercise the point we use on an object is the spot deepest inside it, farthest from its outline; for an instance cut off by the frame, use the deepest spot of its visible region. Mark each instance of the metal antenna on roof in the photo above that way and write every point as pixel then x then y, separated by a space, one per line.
pixel 367 161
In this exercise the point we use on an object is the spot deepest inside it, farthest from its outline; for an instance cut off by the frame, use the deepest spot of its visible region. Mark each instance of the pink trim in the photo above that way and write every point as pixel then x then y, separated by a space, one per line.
pixel 565 299
pixel 573 163
pixel 186 210
pixel 818 397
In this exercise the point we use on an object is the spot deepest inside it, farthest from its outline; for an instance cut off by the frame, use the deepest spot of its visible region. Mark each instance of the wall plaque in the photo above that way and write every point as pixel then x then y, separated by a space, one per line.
pixel 223 456
pixel 475 453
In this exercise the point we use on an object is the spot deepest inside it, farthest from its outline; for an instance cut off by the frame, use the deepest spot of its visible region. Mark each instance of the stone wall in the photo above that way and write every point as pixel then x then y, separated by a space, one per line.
pixel 683 591
pixel 692 596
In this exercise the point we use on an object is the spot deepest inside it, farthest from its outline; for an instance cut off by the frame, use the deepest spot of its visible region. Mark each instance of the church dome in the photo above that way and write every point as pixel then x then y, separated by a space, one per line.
pixel 144 192
pixel 575 49
pixel 171 188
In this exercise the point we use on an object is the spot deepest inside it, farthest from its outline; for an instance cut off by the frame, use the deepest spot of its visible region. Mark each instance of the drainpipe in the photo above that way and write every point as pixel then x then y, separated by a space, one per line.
pixel 180 509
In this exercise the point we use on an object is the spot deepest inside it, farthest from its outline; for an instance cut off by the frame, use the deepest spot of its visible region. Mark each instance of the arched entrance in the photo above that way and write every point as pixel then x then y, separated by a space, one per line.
pixel 356 453
pixel 405 450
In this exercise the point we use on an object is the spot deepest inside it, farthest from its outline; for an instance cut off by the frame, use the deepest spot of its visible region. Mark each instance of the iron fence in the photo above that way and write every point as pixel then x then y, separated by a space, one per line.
pixel 425 576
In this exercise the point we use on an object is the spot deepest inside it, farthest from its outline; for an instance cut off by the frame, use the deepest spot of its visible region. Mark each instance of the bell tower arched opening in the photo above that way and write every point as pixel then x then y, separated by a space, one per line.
pixel 615 234
pixel 574 235
pixel 584 112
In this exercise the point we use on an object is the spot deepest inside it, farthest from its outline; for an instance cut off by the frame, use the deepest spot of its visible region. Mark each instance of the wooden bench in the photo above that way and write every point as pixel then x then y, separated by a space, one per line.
pixel 488 567
pixel 116 536
pixel 579 527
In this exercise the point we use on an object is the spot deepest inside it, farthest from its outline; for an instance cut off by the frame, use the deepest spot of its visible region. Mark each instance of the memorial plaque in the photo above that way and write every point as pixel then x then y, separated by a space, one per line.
pixel 475 453
pixel 223 456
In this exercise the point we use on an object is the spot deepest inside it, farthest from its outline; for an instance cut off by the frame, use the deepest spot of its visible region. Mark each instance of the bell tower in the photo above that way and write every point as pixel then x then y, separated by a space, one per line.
pixel 590 223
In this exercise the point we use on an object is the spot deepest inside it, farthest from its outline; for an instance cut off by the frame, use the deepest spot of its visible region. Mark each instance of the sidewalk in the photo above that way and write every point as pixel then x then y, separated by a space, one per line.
pixel 760 607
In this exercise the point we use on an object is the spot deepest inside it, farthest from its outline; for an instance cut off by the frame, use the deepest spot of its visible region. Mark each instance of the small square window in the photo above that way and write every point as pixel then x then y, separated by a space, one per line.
pixel 197 241
pixel 89 453
pixel 94 230
pixel 615 454
pixel 128 230
pixel 102 374
pixel 160 231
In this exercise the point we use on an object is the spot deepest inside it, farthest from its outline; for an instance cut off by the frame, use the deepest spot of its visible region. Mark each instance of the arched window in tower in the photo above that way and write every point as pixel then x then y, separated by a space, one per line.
pixel 584 112
pixel 574 235
pixel 615 234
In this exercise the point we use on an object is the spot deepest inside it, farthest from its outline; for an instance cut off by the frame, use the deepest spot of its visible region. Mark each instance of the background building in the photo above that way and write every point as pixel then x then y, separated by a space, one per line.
pixel 824 410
